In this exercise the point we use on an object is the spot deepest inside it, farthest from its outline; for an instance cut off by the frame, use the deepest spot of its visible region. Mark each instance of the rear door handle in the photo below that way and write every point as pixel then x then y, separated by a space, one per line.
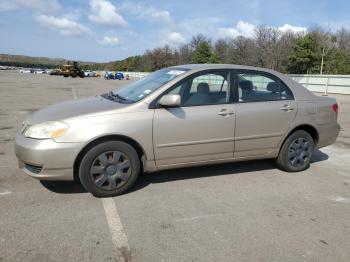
pixel 287 108
pixel 225 112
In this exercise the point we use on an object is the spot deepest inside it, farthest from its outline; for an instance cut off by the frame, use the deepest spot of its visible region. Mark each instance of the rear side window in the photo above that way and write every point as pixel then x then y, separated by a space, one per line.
pixel 255 87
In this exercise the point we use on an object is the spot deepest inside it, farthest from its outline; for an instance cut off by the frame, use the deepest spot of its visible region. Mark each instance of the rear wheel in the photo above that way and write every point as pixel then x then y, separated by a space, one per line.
pixel 296 152
pixel 109 169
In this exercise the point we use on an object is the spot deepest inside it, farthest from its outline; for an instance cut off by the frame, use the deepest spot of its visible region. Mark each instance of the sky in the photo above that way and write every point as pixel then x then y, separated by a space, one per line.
pixel 108 30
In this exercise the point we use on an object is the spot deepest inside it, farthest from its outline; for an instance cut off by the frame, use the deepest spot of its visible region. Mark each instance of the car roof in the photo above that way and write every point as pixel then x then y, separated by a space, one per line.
pixel 220 66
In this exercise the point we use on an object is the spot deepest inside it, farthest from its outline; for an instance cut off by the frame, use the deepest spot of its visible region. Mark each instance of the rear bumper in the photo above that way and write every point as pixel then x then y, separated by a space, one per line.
pixel 328 133
pixel 46 159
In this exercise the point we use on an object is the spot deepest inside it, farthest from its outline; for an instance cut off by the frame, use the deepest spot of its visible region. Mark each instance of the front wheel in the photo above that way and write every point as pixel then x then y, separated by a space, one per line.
pixel 109 169
pixel 296 152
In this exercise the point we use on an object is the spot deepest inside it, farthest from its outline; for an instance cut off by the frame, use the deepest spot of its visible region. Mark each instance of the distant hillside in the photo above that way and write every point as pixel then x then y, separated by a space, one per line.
pixel 42 62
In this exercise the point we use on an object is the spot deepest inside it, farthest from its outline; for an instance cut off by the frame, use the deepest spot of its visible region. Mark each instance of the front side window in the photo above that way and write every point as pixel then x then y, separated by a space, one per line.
pixel 205 89
pixel 146 85
pixel 254 87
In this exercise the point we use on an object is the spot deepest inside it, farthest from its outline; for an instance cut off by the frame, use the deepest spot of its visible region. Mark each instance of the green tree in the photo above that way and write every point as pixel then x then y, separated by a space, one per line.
pixel 304 58
pixel 338 62
pixel 203 55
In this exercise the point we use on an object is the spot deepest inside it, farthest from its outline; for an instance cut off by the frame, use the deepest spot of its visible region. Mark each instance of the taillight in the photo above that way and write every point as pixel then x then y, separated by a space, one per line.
pixel 335 108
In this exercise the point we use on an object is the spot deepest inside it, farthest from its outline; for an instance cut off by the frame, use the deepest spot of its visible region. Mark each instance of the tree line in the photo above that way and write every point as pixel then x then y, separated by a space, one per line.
pixel 313 52
pixel 27 64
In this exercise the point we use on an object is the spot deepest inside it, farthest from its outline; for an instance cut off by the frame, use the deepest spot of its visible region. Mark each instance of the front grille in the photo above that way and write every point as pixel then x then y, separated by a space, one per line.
pixel 33 168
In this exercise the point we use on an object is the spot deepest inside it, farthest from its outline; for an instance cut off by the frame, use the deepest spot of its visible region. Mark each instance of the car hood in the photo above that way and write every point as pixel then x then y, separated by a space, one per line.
pixel 81 107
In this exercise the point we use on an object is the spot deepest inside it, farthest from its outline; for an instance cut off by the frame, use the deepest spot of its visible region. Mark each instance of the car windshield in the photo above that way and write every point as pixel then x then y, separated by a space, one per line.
pixel 146 85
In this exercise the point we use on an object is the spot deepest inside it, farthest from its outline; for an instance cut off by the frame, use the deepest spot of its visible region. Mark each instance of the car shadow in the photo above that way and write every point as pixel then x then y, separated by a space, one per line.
pixel 70 187
pixel 203 171
pixel 319 156
pixel 64 187
pixel 214 170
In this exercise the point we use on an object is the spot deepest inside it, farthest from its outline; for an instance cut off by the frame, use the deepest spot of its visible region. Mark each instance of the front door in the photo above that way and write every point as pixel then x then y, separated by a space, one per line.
pixel 202 128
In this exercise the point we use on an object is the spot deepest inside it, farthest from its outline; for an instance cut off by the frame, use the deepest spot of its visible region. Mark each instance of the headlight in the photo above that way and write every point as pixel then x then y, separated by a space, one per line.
pixel 49 129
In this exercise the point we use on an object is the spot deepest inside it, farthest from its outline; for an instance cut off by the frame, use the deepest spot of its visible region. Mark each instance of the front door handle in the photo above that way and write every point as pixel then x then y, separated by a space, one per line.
pixel 226 112
pixel 287 108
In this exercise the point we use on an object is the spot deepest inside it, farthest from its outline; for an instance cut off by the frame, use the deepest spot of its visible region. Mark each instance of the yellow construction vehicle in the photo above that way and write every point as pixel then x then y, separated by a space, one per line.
pixel 72 69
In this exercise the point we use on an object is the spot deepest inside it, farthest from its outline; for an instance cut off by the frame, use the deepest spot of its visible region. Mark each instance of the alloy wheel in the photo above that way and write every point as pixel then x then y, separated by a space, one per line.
pixel 299 152
pixel 110 170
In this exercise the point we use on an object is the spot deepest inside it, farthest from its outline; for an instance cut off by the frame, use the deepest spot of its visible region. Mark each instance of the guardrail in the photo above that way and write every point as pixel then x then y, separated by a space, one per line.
pixel 131 74
pixel 136 74
pixel 333 84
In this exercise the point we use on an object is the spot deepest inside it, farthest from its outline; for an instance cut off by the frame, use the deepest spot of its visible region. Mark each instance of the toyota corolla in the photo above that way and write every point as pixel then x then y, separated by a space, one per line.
pixel 180 116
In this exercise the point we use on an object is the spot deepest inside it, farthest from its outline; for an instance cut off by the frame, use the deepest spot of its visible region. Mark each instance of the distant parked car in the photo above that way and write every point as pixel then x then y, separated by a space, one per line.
pixel 55 72
pixel 37 71
pixel 24 71
pixel 119 76
pixel 177 117
pixel 109 76
pixel 89 73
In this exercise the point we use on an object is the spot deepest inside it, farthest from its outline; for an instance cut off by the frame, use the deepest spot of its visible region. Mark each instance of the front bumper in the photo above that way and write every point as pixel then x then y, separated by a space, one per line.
pixel 46 159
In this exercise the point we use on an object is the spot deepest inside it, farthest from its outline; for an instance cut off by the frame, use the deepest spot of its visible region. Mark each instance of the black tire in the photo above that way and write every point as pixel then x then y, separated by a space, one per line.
pixel 296 152
pixel 74 74
pixel 123 177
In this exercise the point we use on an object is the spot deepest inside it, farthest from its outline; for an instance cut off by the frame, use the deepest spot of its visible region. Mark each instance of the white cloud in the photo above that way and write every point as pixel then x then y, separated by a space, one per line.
pixel 176 38
pixel 64 25
pixel 248 30
pixel 39 5
pixel 241 29
pixel 145 11
pixel 227 32
pixel 105 13
pixel 162 15
pixel 109 41
pixel 294 29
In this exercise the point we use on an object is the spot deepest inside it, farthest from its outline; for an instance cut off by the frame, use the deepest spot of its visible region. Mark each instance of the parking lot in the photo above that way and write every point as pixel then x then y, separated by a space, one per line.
pixel 248 211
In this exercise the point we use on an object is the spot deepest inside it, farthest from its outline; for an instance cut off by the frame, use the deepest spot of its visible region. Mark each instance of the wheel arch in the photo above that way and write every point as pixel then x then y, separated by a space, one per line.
pixel 139 149
pixel 306 127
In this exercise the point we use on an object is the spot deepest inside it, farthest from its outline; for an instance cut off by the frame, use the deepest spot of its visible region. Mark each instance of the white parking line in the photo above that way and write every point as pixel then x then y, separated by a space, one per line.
pixel 196 217
pixel 115 225
pixel 5 193
pixel 74 93
pixel 341 199
pixel 73 90
pixel 119 238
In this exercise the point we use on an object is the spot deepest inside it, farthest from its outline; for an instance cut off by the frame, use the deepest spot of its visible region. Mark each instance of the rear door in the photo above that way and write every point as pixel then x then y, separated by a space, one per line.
pixel 264 112
pixel 202 128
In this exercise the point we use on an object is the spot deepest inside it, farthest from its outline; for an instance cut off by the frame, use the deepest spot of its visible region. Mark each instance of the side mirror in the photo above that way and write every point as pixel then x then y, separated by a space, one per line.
pixel 171 100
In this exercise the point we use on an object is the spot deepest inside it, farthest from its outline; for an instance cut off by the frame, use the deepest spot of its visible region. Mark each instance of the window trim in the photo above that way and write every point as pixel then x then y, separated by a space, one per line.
pixel 154 104
pixel 236 72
